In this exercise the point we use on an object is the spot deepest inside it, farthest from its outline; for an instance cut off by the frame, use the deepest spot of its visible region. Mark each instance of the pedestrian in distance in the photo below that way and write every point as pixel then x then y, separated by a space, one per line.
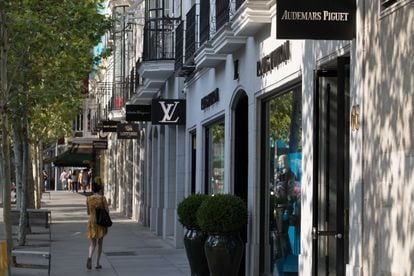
pixel 95 232
pixel 70 181
pixel 45 178
pixel 64 179
pixel 74 181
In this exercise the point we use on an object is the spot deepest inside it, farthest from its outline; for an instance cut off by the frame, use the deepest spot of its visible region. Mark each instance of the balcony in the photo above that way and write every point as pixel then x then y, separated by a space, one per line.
pixel 184 60
pixel 251 16
pixel 159 47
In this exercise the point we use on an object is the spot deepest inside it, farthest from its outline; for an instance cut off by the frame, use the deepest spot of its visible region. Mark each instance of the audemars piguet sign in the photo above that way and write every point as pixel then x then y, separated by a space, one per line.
pixel 168 112
pixel 316 19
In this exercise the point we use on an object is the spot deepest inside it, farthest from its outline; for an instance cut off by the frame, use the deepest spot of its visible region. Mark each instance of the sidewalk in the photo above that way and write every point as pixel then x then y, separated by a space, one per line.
pixel 128 249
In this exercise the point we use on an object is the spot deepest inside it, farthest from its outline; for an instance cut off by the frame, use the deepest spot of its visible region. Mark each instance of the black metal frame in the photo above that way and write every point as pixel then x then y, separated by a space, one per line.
pixel 204 21
pixel 179 46
pixel 340 116
pixel 222 13
pixel 190 34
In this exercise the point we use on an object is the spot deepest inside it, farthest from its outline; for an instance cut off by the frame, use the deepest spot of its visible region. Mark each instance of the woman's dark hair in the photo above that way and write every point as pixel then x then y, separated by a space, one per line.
pixel 96 188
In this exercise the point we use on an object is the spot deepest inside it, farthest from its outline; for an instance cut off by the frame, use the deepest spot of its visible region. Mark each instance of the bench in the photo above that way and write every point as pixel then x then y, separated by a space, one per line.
pixel 39 223
pixel 31 253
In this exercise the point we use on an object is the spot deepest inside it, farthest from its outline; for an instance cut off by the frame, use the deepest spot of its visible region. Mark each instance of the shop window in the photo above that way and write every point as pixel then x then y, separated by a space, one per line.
pixel 283 150
pixel 214 139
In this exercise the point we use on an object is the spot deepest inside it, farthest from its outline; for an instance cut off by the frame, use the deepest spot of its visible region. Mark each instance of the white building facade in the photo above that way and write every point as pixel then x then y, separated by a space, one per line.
pixel 313 134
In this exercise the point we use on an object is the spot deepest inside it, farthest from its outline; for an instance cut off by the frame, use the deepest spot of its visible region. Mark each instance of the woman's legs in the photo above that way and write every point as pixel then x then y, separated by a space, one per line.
pixel 92 246
pixel 98 255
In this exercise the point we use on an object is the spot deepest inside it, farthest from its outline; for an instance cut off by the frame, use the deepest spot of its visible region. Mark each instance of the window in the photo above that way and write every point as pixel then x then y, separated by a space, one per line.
pixel 282 141
pixel 214 181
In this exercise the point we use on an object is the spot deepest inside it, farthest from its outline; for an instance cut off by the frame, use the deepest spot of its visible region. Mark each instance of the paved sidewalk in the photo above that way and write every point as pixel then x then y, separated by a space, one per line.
pixel 129 248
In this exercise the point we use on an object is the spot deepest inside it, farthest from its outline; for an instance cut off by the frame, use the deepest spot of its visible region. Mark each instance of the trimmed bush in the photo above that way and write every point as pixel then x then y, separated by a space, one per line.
pixel 222 213
pixel 187 210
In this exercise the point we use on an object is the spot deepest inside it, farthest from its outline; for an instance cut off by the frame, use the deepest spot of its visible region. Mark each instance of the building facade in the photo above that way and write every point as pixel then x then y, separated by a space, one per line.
pixel 313 134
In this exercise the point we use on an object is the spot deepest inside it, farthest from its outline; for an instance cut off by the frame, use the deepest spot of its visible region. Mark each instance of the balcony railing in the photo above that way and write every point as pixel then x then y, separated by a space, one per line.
pixel 159 36
pixel 179 47
pixel 204 21
pixel 239 3
pixel 190 34
pixel 222 13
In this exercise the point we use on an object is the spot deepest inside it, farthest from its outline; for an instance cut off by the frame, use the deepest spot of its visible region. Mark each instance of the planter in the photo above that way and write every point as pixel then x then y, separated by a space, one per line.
pixel 194 245
pixel 224 253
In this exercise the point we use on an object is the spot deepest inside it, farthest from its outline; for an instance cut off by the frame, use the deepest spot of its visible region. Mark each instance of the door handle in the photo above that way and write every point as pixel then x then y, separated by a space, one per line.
pixel 316 233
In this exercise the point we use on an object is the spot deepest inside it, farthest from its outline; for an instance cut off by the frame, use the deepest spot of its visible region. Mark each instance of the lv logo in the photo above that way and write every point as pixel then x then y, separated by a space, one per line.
pixel 169 109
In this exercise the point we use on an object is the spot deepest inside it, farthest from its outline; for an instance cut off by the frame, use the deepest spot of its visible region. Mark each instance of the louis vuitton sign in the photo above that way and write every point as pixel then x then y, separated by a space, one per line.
pixel 316 19
pixel 168 112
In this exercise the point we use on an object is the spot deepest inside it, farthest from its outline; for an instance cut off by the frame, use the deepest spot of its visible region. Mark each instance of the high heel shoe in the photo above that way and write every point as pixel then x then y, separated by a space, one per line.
pixel 98 267
pixel 89 263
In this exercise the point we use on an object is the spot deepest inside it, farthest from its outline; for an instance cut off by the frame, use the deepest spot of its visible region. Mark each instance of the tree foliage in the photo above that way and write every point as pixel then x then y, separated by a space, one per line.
pixel 49 56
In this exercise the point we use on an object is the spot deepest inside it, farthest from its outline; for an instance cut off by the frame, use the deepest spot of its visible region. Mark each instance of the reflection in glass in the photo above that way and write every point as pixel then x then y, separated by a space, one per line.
pixel 216 158
pixel 284 151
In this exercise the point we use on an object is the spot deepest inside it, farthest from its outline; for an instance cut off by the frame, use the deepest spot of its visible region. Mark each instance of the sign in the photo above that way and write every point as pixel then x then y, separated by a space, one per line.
pixel 210 99
pixel 100 144
pixel 316 19
pixel 109 126
pixel 138 112
pixel 168 112
pixel 128 131
pixel 280 55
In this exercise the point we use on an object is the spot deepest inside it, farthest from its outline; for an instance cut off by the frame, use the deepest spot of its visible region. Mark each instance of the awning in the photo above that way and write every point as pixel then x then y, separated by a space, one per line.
pixel 79 155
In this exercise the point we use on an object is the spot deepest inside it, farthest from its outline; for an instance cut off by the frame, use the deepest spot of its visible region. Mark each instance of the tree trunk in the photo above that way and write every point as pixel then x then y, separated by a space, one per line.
pixel 5 142
pixel 37 174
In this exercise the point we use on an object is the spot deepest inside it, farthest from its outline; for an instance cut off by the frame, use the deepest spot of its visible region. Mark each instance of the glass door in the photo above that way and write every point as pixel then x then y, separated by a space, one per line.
pixel 331 169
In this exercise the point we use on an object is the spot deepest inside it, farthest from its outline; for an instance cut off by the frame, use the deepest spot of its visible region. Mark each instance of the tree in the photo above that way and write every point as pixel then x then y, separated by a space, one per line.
pixel 5 142
pixel 50 53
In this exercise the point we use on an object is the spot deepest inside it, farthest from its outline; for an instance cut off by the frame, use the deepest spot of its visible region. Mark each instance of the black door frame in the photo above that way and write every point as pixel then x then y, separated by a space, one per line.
pixel 341 114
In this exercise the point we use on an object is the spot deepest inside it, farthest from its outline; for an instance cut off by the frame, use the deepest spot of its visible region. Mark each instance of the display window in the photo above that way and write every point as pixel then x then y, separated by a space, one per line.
pixel 214 139
pixel 282 186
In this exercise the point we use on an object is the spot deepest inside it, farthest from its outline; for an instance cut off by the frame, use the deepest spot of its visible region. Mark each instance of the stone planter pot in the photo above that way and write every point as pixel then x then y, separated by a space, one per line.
pixel 224 253
pixel 194 241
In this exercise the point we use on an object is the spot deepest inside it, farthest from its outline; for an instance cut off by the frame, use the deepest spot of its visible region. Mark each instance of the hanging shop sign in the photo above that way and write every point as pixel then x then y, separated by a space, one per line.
pixel 100 144
pixel 210 99
pixel 138 112
pixel 168 112
pixel 275 59
pixel 128 131
pixel 316 19
pixel 109 126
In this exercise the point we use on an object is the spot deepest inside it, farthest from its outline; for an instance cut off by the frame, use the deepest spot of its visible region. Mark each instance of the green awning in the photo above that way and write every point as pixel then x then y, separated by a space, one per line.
pixel 79 155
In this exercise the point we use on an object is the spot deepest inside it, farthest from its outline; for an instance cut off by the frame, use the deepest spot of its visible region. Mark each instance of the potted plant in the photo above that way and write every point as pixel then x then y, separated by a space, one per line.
pixel 223 216
pixel 194 238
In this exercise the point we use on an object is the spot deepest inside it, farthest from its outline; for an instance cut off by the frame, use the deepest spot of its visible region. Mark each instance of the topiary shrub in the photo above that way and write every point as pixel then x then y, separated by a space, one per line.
pixel 187 210
pixel 222 213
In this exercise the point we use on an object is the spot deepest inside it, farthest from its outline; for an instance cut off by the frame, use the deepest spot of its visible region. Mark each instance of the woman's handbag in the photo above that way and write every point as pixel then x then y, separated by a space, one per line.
pixel 102 217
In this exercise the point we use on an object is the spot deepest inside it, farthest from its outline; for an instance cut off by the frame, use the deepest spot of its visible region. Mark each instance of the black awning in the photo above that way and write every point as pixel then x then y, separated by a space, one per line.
pixel 79 155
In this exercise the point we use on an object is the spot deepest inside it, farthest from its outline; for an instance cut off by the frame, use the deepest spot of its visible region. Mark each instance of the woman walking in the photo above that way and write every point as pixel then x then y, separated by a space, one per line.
pixel 95 232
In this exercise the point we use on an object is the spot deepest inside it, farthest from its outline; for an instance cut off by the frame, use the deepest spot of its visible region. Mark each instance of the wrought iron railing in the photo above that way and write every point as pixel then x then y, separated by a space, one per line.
pixel 179 46
pixel 159 36
pixel 204 21
pixel 239 3
pixel 222 13
pixel 190 34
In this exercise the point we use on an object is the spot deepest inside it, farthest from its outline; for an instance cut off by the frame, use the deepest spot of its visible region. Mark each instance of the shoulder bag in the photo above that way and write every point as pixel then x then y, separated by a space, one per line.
pixel 102 216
